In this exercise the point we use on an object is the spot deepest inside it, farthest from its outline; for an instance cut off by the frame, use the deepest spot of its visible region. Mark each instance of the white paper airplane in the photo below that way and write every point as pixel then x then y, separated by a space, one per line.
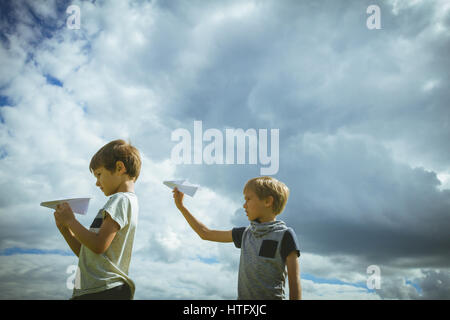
pixel 78 205
pixel 186 188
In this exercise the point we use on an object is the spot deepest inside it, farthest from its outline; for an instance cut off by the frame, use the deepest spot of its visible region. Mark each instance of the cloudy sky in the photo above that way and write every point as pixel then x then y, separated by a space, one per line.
pixel 363 118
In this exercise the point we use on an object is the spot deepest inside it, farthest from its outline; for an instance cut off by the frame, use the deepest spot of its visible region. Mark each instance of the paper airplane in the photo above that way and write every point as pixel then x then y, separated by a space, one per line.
pixel 78 205
pixel 182 186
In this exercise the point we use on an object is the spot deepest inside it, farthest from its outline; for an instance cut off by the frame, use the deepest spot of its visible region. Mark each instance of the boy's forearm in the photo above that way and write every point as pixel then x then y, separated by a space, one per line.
pixel 84 236
pixel 73 243
pixel 295 288
pixel 295 292
pixel 196 225
pixel 293 270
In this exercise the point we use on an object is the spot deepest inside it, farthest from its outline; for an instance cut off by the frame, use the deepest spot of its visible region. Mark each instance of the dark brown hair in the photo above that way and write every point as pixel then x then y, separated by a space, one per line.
pixel 117 150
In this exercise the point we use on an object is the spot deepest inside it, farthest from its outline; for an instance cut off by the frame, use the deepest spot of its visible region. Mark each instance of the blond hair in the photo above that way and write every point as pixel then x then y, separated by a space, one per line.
pixel 266 186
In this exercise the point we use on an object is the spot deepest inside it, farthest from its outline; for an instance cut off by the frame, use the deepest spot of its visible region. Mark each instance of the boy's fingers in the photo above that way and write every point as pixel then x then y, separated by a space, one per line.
pixel 177 194
pixel 60 206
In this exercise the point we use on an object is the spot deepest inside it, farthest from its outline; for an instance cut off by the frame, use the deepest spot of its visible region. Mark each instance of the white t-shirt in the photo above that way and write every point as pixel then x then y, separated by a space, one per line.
pixel 99 272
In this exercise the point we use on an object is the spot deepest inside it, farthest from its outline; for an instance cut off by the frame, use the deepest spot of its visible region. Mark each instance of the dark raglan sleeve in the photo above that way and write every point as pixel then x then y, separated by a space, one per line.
pixel 289 243
pixel 237 234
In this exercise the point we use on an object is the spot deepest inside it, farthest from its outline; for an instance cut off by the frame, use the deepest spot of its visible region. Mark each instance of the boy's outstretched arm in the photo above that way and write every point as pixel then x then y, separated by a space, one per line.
pixel 293 270
pixel 197 226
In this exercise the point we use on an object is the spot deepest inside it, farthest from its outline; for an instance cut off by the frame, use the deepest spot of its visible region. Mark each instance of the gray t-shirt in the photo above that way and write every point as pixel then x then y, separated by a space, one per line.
pixel 262 267
pixel 99 272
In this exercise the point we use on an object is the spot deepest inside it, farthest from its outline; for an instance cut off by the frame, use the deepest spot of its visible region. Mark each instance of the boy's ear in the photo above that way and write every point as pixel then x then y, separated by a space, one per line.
pixel 268 201
pixel 120 167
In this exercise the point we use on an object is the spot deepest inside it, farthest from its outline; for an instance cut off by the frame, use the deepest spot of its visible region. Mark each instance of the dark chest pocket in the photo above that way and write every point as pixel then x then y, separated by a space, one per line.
pixel 97 223
pixel 268 248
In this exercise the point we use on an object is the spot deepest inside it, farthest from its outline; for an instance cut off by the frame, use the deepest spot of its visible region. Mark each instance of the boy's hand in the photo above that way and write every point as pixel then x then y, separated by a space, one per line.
pixel 64 214
pixel 178 197
pixel 59 225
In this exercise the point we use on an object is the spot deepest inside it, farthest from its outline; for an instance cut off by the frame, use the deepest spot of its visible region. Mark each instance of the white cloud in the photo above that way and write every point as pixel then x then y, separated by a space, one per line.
pixel 137 71
pixel 323 291
pixel 183 279
pixel 30 276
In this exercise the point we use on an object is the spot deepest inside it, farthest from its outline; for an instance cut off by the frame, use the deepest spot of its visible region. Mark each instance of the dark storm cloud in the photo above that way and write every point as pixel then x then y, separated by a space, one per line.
pixel 352 198
pixel 317 70
pixel 339 93
pixel 434 285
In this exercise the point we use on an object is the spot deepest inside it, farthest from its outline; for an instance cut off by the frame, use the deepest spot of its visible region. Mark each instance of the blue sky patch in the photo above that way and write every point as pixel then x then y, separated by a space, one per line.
pixel 3 153
pixel 415 285
pixel 208 260
pixel 5 101
pixel 315 279
pixel 17 250
pixel 53 81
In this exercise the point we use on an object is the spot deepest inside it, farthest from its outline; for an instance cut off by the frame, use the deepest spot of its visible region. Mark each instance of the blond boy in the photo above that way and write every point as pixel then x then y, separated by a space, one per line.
pixel 104 250
pixel 268 246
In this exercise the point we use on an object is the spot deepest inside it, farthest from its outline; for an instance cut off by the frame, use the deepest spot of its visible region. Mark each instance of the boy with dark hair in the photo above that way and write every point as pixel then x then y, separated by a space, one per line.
pixel 104 250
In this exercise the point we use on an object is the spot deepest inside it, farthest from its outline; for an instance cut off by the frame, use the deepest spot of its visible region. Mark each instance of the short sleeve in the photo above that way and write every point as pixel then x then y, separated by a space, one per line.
pixel 289 243
pixel 237 234
pixel 117 207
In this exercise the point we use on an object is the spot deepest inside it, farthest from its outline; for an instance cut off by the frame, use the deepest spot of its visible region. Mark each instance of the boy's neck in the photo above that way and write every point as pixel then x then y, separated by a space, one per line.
pixel 266 218
pixel 126 186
